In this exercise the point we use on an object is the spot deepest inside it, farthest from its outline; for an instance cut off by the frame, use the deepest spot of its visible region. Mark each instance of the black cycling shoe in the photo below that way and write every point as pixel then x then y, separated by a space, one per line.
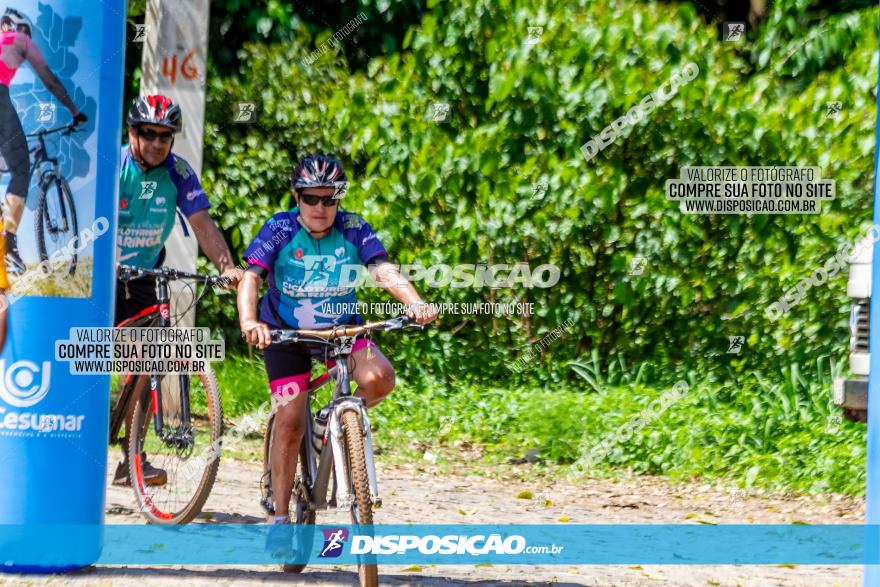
pixel 14 262
pixel 153 476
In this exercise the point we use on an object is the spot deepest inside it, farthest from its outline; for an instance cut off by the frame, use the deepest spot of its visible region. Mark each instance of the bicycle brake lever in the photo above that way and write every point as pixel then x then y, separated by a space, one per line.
pixel 407 322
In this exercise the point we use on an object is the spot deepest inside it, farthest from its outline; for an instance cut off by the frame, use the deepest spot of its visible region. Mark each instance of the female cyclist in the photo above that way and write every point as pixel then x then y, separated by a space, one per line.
pixel 16 47
pixel 300 253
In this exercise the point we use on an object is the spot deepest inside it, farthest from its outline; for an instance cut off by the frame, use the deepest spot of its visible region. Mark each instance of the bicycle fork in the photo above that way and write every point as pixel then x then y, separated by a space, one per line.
pixel 340 462
pixel 181 438
pixel 50 179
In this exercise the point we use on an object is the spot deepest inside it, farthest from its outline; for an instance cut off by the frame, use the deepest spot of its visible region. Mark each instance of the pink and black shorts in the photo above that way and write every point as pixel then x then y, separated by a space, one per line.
pixel 289 366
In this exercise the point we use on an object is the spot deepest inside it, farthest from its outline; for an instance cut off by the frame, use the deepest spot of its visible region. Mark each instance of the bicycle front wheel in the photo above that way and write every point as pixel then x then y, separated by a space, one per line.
pixel 362 505
pixel 172 473
pixel 55 223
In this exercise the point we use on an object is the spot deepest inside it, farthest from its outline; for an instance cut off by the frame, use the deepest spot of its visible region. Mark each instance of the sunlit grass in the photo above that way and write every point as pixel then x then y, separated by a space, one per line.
pixel 781 432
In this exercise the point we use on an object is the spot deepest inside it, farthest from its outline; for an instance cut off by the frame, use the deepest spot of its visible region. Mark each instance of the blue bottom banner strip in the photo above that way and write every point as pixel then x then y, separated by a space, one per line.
pixel 203 544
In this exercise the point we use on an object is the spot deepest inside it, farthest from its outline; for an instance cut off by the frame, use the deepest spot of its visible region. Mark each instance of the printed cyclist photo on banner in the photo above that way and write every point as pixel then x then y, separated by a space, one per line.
pixel 47 161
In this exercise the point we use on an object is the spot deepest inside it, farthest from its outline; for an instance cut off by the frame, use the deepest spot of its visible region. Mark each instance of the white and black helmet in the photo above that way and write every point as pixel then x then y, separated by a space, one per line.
pixel 319 171
pixel 17 22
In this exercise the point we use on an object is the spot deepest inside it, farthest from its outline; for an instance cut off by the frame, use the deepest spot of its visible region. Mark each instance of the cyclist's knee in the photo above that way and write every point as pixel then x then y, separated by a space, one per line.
pixel 289 426
pixel 380 382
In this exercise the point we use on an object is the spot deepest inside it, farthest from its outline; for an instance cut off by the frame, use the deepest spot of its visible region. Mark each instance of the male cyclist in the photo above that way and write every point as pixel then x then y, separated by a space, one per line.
pixel 153 184
pixel 16 47
pixel 300 253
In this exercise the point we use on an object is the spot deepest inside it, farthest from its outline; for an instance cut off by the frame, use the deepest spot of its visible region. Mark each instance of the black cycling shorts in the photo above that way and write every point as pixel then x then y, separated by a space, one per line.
pixel 13 146
pixel 289 362
pixel 141 294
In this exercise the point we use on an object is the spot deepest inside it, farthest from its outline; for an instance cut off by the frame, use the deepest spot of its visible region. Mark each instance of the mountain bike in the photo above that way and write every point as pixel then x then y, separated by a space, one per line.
pixel 347 446
pixel 184 438
pixel 55 218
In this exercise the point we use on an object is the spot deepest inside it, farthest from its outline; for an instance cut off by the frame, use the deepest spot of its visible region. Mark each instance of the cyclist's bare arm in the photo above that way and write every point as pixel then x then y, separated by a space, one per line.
pixel 254 331
pixel 388 277
pixel 54 85
pixel 214 246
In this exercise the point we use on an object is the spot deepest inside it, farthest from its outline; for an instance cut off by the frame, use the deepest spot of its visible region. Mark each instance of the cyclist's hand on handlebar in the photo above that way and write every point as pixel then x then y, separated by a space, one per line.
pixel 421 312
pixel 80 120
pixel 256 332
pixel 126 273
pixel 233 277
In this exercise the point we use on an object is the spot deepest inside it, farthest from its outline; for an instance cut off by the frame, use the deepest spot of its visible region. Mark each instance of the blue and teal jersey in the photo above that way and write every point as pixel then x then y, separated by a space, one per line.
pixel 309 277
pixel 148 203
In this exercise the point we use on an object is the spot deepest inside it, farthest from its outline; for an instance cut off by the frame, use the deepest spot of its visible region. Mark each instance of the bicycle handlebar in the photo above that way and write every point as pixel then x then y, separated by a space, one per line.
pixel 331 334
pixel 67 128
pixel 127 273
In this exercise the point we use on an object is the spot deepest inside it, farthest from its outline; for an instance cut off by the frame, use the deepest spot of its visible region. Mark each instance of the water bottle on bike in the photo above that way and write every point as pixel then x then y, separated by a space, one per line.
pixel 318 432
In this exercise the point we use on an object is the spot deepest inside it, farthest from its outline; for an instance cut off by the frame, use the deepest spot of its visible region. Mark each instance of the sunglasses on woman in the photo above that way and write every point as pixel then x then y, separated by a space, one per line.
pixel 312 200
pixel 150 135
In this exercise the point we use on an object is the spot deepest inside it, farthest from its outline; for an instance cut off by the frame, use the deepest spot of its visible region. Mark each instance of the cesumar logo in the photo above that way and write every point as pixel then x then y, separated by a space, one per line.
pixel 19 387
pixel 334 540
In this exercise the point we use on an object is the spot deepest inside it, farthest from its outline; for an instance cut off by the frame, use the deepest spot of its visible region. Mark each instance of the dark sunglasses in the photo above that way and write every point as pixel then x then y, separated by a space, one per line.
pixel 151 135
pixel 312 200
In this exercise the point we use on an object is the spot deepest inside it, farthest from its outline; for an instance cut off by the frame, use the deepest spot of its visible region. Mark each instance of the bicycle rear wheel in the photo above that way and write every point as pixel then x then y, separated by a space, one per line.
pixel 300 498
pixel 362 506
pixel 55 222
pixel 190 462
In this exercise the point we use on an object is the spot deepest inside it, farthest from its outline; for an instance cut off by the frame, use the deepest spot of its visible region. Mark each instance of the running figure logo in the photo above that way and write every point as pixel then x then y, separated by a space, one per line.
pixel 140 33
pixel 246 112
pixel 334 540
pixel 637 265
pixel 148 188
pixel 734 31
pixel 317 269
pixel 440 112
pixel 535 33
pixel 736 343
pixel 833 109
pixel 539 189
pixel 47 112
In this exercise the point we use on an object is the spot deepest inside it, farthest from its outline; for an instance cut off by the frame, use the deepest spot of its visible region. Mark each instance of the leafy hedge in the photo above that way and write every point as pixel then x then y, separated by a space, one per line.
pixel 462 191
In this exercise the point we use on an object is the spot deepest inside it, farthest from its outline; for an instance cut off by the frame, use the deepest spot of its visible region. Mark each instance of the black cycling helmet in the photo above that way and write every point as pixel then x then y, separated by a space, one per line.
pixel 17 22
pixel 319 171
pixel 156 109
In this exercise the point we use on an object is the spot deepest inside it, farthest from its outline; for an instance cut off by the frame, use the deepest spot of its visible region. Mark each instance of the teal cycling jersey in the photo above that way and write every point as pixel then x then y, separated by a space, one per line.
pixel 309 278
pixel 148 203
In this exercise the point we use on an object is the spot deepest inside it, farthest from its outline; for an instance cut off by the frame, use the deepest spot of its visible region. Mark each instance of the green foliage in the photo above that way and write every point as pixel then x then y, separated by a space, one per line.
pixel 243 384
pixel 235 22
pixel 783 435
pixel 462 191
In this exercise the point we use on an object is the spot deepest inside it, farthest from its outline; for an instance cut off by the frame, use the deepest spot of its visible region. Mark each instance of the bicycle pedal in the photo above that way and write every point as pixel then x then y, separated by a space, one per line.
pixel 267 504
